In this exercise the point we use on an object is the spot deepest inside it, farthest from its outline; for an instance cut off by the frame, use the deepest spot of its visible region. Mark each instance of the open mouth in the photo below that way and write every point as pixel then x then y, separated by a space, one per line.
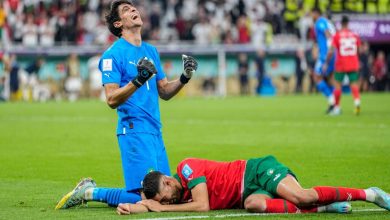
pixel 135 17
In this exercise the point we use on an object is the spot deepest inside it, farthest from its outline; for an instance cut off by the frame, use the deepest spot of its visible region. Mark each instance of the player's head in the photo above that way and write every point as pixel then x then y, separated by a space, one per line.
pixel 315 13
pixel 122 14
pixel 161 188
pixel 344 21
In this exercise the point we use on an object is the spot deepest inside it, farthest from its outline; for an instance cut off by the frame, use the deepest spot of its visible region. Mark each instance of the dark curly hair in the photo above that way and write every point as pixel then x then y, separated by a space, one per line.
pixel 151 184
pixel 113 16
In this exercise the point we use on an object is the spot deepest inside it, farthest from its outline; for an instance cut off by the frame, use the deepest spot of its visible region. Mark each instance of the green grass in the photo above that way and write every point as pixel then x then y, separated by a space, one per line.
pixel 46 148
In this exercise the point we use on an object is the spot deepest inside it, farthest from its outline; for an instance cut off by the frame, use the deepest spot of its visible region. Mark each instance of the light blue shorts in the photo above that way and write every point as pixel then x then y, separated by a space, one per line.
pixel 320 64
pixel 140 154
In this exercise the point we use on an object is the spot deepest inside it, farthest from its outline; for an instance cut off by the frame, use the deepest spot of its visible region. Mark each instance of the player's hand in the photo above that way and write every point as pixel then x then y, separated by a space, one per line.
pixel 189 66
pixel 152 205
pixel 123 209
pixel 146 70
pixel 324 68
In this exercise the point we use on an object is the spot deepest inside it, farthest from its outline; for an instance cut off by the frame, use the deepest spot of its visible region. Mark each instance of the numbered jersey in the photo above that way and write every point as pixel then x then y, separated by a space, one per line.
pixel 347 58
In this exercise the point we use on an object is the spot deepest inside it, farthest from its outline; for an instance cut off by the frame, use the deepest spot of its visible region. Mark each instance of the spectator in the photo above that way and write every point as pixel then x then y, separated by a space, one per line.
pixel 73 80
pixel 311 61
pixel 95 78
pixel 46 33
pixel 388 72
pixel 2 19
pixel 259 31
pixel 364 67
pixel 2 88
pixel 243 30
pixel 260 60
pixel 14 79
pixel 31 80
pixel 243 68
pixel 379 71
pixel 30 32
pixel 300 69
pixel 202 32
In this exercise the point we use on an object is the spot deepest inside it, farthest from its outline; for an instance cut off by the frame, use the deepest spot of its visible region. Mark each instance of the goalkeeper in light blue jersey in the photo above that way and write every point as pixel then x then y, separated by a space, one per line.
pixel 133 80
pixel 323 73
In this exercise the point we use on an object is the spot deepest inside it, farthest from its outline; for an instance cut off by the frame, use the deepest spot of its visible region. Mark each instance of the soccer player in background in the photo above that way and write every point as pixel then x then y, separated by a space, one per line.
pixel 258 185
pixel 346 43
pixel 324 30
pixel 133 81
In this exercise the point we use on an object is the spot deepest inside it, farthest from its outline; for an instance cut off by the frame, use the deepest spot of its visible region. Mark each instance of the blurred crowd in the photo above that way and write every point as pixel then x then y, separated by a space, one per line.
pixel 49 22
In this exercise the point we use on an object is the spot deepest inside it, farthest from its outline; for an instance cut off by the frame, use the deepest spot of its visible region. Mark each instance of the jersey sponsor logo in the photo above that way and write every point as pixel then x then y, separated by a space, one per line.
pixel 107 64
pixel 186 171
pixel 349 198
pixel 107 74
pixel 276 177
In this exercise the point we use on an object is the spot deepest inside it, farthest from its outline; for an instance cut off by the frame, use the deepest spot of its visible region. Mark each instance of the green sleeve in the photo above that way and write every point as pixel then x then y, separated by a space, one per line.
pixel 191 184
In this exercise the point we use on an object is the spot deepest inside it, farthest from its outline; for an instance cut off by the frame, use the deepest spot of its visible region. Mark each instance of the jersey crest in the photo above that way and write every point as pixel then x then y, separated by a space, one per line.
pixel 186 171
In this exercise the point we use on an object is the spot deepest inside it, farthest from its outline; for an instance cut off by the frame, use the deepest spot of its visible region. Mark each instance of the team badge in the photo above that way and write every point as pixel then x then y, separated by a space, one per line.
pixel 186 171
pixel 270 172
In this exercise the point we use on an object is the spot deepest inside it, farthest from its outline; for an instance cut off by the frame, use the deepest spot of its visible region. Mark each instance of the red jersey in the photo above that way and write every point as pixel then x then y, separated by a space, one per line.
pixel 224 181
pixel 347 58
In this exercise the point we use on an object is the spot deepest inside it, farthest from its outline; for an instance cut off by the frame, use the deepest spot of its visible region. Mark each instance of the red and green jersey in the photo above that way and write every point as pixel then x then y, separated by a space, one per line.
pixel 224 181
pixel 347 58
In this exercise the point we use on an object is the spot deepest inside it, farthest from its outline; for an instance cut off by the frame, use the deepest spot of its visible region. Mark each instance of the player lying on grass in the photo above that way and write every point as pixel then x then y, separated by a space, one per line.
pixel 258 185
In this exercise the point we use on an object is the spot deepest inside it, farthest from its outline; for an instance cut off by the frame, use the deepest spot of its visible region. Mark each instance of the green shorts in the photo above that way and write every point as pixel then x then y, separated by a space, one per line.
pixel 352 76
pixel 262 176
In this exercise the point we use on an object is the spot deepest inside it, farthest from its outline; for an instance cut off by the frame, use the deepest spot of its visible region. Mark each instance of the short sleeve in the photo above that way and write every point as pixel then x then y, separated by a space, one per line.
pixel 322 26
pixel 160 73
pixel 191 172
pixel 110 70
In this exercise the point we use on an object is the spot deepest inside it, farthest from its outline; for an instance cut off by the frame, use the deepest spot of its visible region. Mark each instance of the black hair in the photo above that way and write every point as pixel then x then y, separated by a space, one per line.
pixel 113 16
pixel 151 184
pixel 344 20
pixel 316 9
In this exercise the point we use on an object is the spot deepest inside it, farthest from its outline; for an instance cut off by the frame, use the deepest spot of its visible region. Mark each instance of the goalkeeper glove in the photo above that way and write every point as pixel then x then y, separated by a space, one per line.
pixel 190 66
pixel 146 70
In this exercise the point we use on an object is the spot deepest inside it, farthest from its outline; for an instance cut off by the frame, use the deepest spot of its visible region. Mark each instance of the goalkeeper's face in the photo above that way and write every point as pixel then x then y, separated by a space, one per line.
pixel 130 16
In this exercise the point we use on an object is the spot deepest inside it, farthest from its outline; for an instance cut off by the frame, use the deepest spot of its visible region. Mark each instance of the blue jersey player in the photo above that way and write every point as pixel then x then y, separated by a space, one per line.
pixel 133 80
pixel 324 30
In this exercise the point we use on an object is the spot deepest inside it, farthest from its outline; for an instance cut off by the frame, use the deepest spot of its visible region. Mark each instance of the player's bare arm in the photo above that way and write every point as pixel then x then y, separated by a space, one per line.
pixel 168 89
pixel 199 203
pixel 115 96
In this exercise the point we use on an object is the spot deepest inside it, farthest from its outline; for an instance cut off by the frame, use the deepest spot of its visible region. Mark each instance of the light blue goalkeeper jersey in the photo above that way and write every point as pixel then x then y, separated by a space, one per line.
pixel 140 113
pixel 321 26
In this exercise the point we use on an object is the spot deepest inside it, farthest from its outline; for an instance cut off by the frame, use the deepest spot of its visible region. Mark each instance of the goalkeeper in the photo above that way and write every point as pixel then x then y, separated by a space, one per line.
pixel 258 185
pixel 133 81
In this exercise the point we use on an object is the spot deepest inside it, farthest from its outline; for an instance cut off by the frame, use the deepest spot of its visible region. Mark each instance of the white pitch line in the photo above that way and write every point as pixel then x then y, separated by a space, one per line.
pixel 241 215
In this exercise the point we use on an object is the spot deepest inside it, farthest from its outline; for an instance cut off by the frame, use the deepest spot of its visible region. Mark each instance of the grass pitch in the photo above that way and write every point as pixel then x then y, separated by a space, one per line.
pixel 45 148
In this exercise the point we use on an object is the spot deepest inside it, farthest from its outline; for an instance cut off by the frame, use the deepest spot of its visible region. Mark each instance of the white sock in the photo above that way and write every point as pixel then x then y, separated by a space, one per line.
pixel 370 195
pixel 357 102
pixel 331 100
pixel 321 209
pixel 88 195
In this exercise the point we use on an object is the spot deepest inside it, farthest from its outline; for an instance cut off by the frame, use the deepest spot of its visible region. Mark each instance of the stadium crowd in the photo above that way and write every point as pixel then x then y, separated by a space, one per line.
pixel 45 23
